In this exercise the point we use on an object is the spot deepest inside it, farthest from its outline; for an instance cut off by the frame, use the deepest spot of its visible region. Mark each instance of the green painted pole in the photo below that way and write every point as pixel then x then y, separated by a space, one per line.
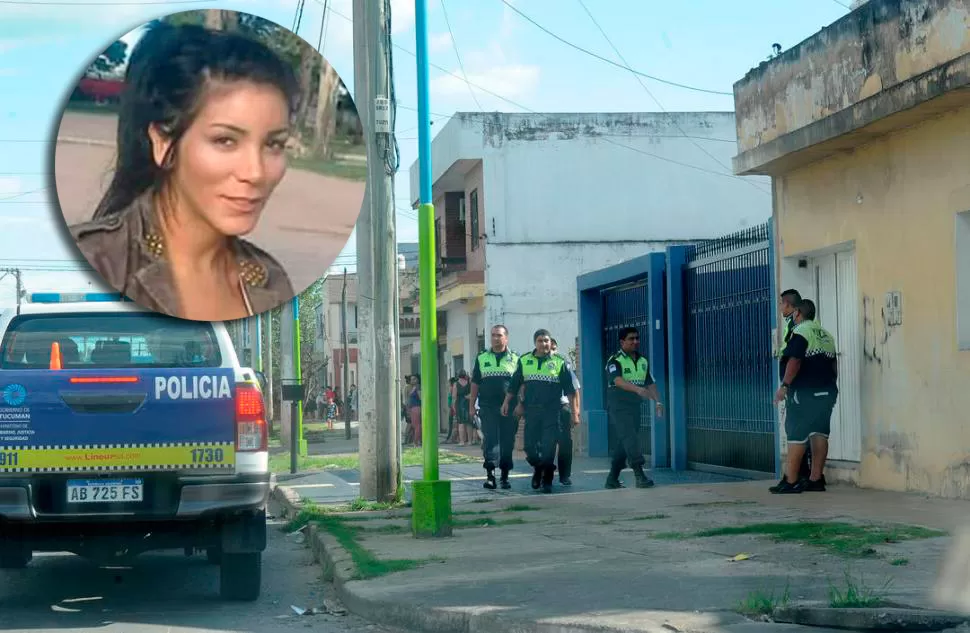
pixel 298 373
pixel 431 506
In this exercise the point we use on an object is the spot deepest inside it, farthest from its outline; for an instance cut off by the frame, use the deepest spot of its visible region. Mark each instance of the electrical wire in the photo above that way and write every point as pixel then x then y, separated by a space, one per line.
pixel 101 4
pixel 454 45
pixel 323 27
pixel 657 101
pixel 298 18
pixel 608 60
pixel 548 117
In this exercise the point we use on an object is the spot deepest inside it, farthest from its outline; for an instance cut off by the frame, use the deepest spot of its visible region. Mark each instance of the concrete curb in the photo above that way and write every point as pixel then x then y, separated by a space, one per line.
pixel 339 568
pixel 869 619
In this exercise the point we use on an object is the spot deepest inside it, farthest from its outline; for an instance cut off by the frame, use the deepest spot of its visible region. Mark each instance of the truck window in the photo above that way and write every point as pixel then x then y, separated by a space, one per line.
pixel 109 340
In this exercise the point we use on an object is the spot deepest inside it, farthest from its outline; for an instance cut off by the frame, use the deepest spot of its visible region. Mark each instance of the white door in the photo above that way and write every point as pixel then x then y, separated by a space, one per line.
pixel 838 312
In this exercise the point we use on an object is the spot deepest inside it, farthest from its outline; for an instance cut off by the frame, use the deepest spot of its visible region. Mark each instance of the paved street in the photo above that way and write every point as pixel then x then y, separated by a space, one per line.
pixel 305 225
pixel 167 593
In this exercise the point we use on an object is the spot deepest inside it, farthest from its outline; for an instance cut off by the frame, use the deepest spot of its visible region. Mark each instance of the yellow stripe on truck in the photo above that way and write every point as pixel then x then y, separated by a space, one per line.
pixel 149 457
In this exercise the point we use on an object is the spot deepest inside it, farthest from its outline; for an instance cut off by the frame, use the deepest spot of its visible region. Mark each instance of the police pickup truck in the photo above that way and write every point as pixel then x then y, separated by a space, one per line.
pixel 123 431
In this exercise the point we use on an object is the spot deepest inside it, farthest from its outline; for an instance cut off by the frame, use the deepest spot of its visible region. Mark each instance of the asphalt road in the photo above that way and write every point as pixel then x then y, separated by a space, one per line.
pixel 167 593
pixel 305 225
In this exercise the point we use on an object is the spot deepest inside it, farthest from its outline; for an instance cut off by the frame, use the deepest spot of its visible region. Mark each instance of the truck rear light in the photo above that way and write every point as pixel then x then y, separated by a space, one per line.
pixel 251 432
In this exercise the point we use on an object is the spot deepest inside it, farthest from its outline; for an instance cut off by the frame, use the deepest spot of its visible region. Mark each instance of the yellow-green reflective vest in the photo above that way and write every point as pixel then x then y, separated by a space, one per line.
pixel 634 373
pixel 820 342
pixel 549 372
pixel 490 366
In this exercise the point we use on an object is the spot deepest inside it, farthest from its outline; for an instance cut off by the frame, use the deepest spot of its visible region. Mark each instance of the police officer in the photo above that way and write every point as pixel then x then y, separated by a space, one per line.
pixel 490 382
pixel 628 374
pixel 788 300
pixel 546 378
pixel 810 390
pixel 566 424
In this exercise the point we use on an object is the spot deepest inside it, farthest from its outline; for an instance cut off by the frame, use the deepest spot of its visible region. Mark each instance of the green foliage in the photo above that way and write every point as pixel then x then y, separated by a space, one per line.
pixel 112 57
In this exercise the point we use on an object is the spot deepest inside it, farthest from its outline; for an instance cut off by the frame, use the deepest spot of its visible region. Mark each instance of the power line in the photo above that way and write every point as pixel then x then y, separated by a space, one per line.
pixel 323 27
pixel 546 116
pixel 655 99
pixel 842 4
pixel 608 60
pixel 454 45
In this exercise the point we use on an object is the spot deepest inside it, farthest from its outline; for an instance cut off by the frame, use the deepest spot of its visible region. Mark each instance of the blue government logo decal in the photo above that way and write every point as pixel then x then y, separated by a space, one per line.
pixel 14 395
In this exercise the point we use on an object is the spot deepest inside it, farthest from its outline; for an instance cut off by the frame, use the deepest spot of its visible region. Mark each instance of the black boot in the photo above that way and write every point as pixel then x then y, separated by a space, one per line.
pixel 490 480
pixel 613 479
pixel 536 478
pixel 504 481
pixel 547 477
pixel 642 480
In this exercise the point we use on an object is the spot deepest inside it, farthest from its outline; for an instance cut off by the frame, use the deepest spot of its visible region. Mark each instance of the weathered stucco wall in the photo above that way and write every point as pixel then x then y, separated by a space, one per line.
pixel 880 45
pixel 897 199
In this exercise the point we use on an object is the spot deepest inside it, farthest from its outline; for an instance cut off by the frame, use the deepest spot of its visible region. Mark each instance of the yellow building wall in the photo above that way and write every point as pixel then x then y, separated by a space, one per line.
pixel 897 199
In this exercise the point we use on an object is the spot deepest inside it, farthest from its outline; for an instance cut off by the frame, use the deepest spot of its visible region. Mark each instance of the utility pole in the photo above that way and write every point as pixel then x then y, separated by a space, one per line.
pixel 377 250
pixel 346 355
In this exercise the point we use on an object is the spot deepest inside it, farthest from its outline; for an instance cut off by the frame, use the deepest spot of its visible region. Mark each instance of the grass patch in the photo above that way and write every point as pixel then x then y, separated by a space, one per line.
pixel 483 500
pixel 650 517
pixel 390 528
pixel 311 512
pixel 518 507
pixel 844 539
pixel 280 462
pixel 367 564
pixel 899 562
pixel 670 536
pixel 344 169
pixel 763 603
pixel 485 522
pixel 856 595
pixel 511 508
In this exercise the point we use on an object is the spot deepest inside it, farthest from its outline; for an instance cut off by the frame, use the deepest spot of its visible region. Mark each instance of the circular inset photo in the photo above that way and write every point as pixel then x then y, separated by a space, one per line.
pixel 210 165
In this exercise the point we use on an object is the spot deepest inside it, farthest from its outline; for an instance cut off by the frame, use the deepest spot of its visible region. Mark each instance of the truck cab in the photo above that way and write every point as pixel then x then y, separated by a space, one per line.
pixel 124 431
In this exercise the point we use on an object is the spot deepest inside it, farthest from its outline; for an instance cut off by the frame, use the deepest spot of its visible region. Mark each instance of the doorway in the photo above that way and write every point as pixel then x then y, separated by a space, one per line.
pixel 837 300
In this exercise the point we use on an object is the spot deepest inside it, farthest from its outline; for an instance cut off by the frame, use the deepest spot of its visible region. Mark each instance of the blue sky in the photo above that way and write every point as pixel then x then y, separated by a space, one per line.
pixel 708 44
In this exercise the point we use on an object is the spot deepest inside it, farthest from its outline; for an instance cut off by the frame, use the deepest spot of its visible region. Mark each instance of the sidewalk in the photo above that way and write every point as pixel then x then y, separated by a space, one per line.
pixel 632 560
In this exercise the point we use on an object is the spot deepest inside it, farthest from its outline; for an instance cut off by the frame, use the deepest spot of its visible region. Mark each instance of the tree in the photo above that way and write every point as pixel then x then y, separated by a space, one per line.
pixel 326 115
pixel 110 60
pixel 311 367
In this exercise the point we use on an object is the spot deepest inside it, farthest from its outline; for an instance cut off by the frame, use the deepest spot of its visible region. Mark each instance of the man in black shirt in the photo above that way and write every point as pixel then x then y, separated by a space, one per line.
pixel 545 377
pixel 810 392
pixel 490 382
pixel 788 300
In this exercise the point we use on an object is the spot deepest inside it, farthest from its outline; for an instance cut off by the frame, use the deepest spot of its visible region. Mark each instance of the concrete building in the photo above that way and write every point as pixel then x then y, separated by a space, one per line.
pixel 865 131
pixel 328 344
pixel 525 203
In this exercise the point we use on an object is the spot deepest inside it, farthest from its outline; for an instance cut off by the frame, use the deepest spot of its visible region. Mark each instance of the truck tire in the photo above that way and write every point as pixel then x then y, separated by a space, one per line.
pixel 240 576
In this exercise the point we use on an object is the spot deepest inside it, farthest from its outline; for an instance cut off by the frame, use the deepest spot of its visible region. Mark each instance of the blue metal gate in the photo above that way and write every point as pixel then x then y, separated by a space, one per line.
pixel 626 306
pixel 729 362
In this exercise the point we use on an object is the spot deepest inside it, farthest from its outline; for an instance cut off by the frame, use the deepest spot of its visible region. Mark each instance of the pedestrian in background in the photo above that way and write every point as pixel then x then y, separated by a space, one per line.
pixel 414 408
pixel 460 406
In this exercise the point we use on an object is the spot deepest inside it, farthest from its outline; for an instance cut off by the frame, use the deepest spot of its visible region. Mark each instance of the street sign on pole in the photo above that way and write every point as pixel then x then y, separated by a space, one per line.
pixel 431 505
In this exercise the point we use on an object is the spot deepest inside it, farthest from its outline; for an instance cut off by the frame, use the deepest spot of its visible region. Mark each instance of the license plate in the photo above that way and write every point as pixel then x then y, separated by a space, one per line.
pixel 105 491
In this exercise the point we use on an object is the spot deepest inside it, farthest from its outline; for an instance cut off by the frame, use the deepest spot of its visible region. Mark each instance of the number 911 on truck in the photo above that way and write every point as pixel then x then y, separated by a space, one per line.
pixel 123 431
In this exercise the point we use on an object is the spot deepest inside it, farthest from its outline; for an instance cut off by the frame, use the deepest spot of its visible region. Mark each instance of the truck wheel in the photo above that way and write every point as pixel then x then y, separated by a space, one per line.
pixel 213 555
pixel 241 576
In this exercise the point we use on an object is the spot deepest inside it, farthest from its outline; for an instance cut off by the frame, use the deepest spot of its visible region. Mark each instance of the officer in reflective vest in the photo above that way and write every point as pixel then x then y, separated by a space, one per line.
pixel 545 378
pixel 490 382
pixel 788 300
pixel 630 383
pixel 809 389
pixel 566 424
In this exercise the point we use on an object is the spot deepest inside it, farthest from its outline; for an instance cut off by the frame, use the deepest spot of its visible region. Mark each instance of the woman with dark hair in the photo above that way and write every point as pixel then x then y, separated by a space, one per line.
pixel 202 129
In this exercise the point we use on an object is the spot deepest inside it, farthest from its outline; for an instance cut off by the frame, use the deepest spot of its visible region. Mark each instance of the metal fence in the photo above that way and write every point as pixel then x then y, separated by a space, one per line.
pixel 729 362
pixel 626 306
